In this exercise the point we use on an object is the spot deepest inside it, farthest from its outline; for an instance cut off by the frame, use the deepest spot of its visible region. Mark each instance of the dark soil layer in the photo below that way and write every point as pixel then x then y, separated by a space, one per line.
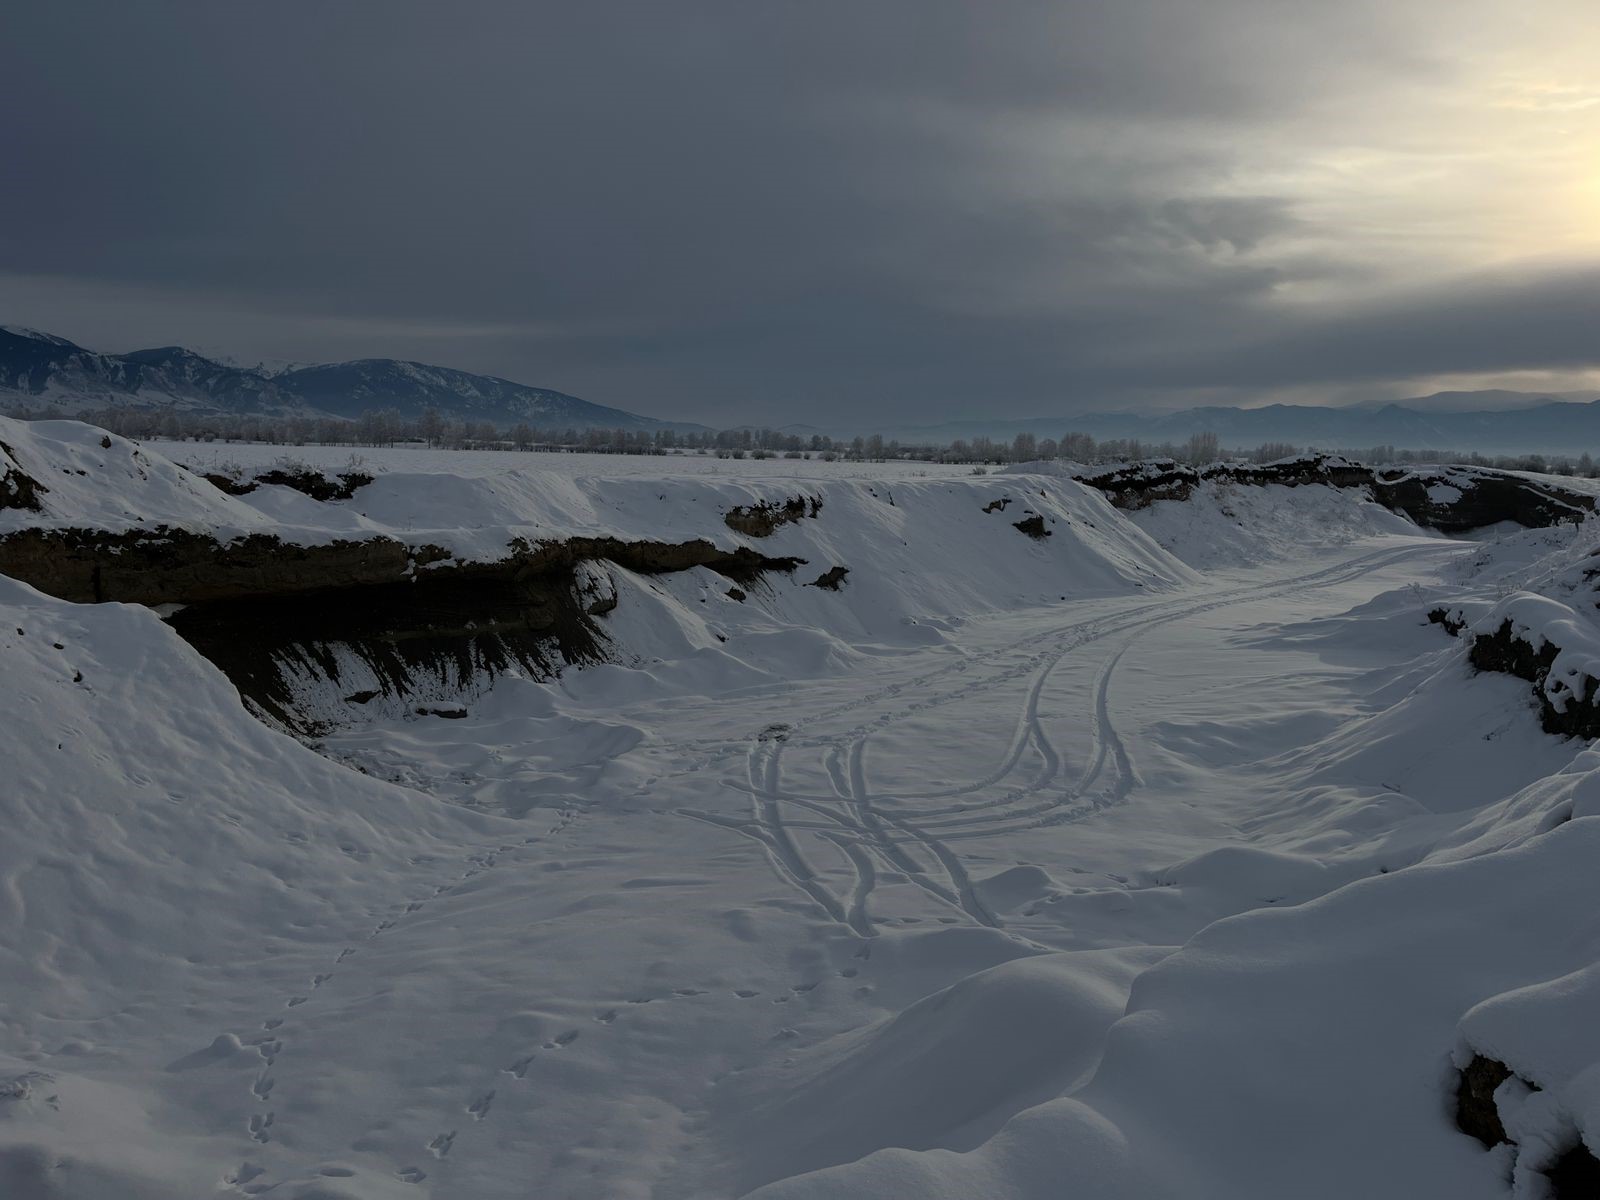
pixel 1487 497
pixel 831 579
pixel 256 605
pixel 764 519
pixel 1033 526
pixel 1476 1113
pixel 1453 625
pixel 17 488
pixel 1503 651
pixel 303 479
pixel 1576 1173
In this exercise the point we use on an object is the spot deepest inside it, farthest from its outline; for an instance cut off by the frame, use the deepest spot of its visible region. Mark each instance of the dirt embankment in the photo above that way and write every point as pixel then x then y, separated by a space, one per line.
pixel 264 610
pixel 18 489
pixel 764 519
pixel 1565 712
pixel 1575 1174
pixel 1452 500
pixel 305 480
pixel 1562 711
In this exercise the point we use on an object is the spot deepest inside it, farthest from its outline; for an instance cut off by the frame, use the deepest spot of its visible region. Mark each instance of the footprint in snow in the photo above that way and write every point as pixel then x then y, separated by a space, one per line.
pixel 247 1171
pixel 520 1067
pixel 479 1108
pixel 440 1146
pixel 260 1125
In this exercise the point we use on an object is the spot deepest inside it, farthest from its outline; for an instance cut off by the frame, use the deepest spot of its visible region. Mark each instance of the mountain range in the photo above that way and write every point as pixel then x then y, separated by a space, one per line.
pixel 41 370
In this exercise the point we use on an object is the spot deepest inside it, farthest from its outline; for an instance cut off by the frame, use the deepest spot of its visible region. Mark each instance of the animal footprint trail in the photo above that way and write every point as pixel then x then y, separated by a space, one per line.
pixel 261 1125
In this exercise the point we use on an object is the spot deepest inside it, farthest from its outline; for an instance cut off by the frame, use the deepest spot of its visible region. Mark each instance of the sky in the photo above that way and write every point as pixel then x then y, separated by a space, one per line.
pixel 825 212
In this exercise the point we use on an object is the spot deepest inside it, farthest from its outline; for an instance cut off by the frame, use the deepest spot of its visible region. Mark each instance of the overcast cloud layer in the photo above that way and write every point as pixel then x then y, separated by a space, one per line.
pixel 905 210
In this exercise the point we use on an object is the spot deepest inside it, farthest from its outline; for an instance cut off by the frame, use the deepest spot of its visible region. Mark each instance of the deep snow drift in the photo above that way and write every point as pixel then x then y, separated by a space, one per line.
pixel 1168 853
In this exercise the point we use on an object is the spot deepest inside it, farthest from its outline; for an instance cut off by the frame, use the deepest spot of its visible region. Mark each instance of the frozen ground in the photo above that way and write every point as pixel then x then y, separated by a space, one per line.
pixel 1197 883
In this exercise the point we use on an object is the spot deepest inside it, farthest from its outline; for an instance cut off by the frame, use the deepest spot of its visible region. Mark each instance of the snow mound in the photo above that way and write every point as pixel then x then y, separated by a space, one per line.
pixel 1231 525
pixel 156 837
pixel 946 1072
pixel 1240 1054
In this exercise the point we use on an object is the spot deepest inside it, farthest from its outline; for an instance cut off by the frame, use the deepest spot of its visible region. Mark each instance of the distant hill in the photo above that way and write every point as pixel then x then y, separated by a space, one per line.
pixel 40 369
pixel 1524 423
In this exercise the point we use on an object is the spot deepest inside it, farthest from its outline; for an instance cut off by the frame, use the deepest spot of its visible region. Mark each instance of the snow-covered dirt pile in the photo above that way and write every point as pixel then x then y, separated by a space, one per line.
pixel 1225 524
pixel 1529 606
pixel 1308 1051
pixel 165 853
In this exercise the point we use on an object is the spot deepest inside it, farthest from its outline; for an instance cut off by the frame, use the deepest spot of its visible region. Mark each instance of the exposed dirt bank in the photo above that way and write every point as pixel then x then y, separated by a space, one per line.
pixel 764 519
pixel 1562 710
pixel 264 610
pixel 1451 500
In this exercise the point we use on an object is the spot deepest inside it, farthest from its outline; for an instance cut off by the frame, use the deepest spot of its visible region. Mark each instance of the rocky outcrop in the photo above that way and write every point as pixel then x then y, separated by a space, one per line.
pixel 765 518
pixel 1451 500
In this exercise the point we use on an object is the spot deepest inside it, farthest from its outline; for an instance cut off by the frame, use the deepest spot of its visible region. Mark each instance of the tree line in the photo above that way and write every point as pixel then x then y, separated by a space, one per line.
pixel 387 427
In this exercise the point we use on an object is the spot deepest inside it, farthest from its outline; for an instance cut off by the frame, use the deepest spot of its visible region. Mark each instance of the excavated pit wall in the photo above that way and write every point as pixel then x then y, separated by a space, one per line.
pixel 265 610
pixel 1484 497
pixel 1451 501
pixel 1578 714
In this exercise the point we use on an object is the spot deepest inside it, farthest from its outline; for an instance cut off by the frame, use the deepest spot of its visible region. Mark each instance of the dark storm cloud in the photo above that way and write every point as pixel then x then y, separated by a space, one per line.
pixel 731 211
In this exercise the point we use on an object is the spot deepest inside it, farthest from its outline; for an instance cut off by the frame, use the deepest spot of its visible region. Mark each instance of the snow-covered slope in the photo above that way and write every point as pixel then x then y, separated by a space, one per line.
pixel 1036 860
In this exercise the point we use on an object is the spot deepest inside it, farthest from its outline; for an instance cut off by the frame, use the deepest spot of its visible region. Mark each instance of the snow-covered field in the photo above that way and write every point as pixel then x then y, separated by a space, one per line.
pixel 1174 854
pixel 417 460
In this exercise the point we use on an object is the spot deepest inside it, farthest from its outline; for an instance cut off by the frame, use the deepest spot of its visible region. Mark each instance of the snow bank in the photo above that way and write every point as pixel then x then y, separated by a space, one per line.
pixel 159 841
pixel 1234 1071
pixel 884 527
pixel 1232 525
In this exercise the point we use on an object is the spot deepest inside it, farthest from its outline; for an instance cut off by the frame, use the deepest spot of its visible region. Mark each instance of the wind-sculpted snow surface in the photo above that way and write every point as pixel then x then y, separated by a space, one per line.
pixel 1172 854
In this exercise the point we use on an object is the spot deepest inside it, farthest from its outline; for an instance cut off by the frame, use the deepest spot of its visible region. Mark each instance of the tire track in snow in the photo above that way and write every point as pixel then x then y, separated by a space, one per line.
pixel 889 835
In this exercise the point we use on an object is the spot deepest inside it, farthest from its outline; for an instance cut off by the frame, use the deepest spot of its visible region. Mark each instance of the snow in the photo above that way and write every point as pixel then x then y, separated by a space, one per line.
pixel 1230 524
pixel 1175 854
